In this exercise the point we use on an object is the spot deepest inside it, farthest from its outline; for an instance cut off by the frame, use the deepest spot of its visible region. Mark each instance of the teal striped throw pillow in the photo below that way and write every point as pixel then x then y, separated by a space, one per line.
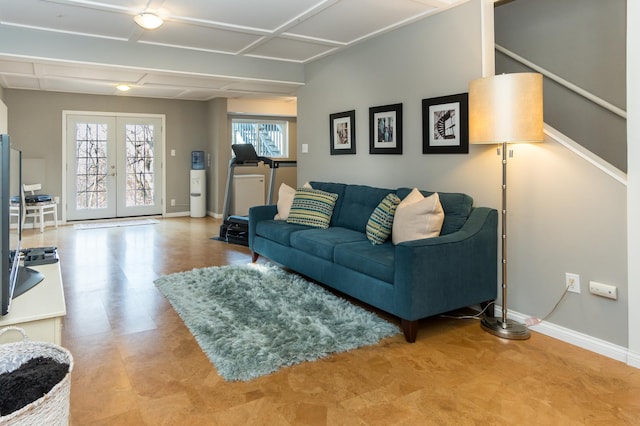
pixel 380 222
pixel 312 207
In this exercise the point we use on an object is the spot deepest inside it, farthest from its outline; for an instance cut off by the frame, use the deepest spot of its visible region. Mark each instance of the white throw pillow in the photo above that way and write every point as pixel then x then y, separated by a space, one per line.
pixel 417 217
pixel 285 199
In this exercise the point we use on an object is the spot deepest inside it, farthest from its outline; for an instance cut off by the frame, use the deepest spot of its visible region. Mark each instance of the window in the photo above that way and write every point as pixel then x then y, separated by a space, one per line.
pixel 270 138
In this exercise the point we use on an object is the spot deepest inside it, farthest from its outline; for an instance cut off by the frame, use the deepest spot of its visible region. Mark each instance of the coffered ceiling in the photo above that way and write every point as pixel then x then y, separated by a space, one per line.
pixel 204 49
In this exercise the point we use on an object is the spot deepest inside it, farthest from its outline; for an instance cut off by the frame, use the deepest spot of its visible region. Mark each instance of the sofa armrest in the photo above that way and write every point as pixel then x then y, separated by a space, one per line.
pixel 256 214
pixel 436 275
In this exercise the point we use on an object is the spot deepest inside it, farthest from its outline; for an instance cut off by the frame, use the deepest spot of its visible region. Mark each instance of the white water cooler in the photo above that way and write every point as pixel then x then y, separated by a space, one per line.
pixel 198 185
pixel 198 191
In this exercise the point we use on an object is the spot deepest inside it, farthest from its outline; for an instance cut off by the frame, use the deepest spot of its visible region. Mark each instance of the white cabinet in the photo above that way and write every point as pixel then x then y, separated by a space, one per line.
pixel 248 191
pixel 39 311
pixel 198 192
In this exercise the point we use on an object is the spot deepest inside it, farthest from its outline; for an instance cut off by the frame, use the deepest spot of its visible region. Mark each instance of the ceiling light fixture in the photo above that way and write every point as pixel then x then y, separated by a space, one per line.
pixel 148 21
pixel 123 87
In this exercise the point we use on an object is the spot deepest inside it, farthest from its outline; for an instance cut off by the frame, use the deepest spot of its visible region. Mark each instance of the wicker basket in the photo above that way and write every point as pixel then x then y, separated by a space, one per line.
pixel 53 407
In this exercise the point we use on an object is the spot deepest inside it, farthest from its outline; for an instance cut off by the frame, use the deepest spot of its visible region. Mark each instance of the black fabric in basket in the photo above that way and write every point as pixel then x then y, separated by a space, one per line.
pixel 29 382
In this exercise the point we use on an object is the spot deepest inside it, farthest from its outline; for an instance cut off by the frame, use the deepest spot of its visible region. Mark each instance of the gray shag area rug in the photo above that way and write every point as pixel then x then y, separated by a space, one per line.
pixel 254 319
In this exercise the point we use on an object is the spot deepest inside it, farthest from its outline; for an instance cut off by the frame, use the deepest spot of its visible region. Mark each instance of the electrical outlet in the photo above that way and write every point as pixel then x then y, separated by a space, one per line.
pixel 572 281
pixel 173 202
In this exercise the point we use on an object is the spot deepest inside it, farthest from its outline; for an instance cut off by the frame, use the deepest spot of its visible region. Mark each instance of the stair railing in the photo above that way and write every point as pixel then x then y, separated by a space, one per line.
pixel 580 91
pixel 560 137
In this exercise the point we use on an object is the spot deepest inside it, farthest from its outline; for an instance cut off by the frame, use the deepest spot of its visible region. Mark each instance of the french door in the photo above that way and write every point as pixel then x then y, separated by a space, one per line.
pixel 113 166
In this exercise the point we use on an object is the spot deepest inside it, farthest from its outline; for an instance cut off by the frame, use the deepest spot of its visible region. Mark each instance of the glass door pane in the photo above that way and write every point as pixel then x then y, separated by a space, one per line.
pixel 113 166
pixel 139 172
pixel 90 167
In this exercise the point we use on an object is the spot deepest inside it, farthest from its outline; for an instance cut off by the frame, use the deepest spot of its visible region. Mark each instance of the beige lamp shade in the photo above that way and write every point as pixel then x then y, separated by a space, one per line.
pixel 506 108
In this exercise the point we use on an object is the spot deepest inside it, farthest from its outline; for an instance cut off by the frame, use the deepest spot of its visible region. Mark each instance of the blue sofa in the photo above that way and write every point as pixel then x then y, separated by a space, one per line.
pixel 411 280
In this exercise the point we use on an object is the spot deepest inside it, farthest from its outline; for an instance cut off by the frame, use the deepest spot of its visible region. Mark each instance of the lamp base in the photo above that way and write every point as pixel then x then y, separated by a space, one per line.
pixel 507 330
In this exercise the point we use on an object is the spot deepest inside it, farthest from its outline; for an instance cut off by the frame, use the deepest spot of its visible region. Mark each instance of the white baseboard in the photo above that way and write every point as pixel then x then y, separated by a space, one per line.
pixel 182 214
pixel 581 340
pixel 47 223
pixel 177 214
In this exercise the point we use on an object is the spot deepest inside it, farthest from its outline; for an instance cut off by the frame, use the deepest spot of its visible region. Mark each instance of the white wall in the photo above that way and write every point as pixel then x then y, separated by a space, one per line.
pixel 633 191
pixel 4 118
pixel 564 215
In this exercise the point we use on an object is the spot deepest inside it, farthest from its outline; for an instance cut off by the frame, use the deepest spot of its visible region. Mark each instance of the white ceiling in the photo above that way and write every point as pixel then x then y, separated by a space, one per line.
pixel 205 49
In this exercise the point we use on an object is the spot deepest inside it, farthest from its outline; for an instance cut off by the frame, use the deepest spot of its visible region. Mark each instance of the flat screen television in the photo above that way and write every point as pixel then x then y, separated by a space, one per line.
pixel 14 278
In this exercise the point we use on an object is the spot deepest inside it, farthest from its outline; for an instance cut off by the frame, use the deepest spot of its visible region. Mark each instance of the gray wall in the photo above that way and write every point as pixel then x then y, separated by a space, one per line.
pixel 564 214
pixel 434 57
pixel 35 126
pixel 219 148
pixel 582 41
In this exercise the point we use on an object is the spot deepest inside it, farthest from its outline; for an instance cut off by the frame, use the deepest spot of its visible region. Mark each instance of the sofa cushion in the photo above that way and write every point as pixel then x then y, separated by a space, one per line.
pixel 322 242
pixel 334 188
pixel 380 222
pixel 312 207
pixel 456 206
pixel 374 260
pixel 278 230
pixel 285 200
pixel 359 201
pixel 417 217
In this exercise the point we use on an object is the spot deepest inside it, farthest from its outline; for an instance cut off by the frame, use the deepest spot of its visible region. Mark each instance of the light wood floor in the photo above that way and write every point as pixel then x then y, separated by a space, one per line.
pixel 137 364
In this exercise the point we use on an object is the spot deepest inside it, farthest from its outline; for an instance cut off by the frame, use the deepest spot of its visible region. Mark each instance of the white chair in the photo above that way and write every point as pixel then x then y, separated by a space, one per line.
pixel 38 210
pixel 14 211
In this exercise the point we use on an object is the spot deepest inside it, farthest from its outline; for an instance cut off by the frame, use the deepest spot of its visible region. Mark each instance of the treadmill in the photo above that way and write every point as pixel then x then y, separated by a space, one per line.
pixel 235 229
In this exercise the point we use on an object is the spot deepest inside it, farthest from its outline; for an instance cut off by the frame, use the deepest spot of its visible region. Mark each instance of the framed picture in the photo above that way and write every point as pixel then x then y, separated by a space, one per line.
pixel 343 132
pixel 445 125
pixel 385 129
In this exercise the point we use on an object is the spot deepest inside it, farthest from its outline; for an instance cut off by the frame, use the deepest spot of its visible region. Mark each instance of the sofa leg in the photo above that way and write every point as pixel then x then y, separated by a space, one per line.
pixel 254 257
pixel 410 330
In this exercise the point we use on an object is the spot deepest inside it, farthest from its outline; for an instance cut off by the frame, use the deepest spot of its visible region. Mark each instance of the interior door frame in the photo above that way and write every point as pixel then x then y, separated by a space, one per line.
pixel 65 165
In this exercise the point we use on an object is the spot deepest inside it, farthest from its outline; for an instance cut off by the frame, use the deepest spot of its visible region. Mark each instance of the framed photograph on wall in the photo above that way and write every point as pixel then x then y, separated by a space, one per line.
pixel 445 124
pixel 342 127
pixel 385 129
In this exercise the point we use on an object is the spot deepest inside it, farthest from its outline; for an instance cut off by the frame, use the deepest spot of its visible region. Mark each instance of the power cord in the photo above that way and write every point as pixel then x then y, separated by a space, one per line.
pixel 477 316
pixel 535 320
pixel 529 321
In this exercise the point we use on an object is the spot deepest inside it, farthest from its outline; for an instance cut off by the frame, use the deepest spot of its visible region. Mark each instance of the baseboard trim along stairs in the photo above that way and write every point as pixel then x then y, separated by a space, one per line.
pixel 590 343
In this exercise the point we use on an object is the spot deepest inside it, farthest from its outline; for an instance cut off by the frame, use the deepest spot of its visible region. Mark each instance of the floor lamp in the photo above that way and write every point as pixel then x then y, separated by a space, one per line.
pixel 505 109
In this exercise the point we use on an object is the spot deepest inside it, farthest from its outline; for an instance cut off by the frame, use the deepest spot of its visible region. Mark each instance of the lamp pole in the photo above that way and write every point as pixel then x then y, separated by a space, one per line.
pixel 505 327
pixel 504 233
